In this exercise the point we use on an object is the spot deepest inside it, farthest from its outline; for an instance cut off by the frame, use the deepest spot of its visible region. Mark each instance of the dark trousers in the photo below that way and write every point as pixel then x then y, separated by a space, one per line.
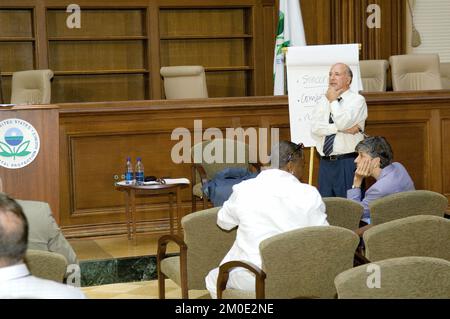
pixel 336 177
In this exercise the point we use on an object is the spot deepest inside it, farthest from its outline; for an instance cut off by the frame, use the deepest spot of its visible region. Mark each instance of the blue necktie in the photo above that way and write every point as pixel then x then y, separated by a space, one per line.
pixel 329 139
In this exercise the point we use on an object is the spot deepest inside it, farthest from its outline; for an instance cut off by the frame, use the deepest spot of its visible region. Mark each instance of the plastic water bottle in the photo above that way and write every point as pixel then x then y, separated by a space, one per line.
pixel 139 172
pixel 129 172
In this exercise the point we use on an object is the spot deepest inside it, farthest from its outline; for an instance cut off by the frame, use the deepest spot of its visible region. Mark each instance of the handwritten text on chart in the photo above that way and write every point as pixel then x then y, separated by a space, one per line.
pixel 313 81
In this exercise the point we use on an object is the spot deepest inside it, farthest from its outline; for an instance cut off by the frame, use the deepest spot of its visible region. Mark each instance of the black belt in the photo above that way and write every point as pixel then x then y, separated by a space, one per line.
pixel 338 157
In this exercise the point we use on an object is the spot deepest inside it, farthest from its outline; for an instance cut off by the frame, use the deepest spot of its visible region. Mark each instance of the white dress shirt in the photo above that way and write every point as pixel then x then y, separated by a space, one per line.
pixel 272 203
pixel 351 110
pixel 16 282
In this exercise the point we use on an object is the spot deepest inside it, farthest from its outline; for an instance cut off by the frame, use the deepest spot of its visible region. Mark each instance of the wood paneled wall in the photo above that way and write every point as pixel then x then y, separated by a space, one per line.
pixel 96 138
pixel 121 45
pixel 117 52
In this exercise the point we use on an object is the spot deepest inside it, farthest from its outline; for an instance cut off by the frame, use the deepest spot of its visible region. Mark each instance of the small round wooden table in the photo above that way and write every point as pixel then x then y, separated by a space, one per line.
pixel 155 189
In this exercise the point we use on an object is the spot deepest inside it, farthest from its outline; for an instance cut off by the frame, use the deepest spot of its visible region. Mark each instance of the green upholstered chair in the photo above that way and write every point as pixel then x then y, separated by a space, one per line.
pixel 404 277
pixel 343 212
pixel 204 169
pixel 301 263
pixel 405 204
pixel 421 235
pixel 203 248
pixel 46 265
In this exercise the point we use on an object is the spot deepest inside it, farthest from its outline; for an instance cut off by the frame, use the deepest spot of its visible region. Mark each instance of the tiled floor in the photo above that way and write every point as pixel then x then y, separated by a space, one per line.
pixel 119 247
pixel 138 290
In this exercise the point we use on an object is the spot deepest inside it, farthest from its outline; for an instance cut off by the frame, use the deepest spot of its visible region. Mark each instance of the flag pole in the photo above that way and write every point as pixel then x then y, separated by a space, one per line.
pixel 284 50
pixel 311 164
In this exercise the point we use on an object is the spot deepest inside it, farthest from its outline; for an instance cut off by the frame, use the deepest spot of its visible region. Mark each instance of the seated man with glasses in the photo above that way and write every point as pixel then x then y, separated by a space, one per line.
pixel 274 202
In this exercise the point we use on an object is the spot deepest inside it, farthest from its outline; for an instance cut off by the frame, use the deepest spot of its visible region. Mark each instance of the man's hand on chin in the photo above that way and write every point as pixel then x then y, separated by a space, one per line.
pixel 333 94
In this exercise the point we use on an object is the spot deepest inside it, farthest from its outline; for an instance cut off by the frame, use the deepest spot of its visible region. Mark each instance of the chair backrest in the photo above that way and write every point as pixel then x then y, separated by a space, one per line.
pixel 445 75
pixel 304 262
pixel 421 235
pixel 374 75
pixel 343 212
pixel 415 72
pixel 224 153
pixel 207 245
pixel 31 87
pixel 46 265
pixel 405 277
pixel 405 204
pixel 184 82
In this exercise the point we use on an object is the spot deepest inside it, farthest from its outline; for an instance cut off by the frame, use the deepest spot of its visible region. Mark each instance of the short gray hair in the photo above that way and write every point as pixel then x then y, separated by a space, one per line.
pixel 285 152
pixel 377 146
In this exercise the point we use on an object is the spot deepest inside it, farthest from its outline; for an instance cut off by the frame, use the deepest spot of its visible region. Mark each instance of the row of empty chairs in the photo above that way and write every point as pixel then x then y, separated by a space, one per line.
pixel 408 73
pixel 321 252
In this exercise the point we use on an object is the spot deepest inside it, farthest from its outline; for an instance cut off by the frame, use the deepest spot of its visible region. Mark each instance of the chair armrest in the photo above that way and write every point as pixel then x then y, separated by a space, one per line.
pixel 224 271
pixel 161 254
pixel 162 245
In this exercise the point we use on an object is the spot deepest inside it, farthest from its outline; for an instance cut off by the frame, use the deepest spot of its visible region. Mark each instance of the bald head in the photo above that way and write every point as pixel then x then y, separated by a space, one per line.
pixel 340 76
pixel 13 232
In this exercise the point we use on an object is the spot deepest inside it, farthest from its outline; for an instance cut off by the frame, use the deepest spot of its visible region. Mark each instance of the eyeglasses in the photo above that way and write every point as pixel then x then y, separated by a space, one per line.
pixel 297 148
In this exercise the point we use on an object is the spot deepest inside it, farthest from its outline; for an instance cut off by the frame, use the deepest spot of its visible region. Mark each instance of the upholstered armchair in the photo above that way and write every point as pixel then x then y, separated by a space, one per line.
pixel 415 72
pixel 31 87
pixel 184 82
pixel 202 249
pixel 422 235
pixel 301 263
pixel 343 212
pixel 204 169
pixel 46 265
pixel 401 278
pixel 445 75
pixel 405 204
pixel 374 75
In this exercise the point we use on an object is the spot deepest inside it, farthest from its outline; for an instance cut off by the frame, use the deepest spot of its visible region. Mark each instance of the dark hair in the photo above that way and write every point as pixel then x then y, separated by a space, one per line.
pixel 285 152
pixel 13 233
pixel 377 146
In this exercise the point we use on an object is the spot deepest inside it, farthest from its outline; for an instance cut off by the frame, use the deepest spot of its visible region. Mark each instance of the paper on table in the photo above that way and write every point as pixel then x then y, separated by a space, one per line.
pixel 177 180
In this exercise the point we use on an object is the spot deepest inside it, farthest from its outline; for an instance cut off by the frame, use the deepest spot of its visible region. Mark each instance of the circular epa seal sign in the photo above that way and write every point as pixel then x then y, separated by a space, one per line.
pixel 19 143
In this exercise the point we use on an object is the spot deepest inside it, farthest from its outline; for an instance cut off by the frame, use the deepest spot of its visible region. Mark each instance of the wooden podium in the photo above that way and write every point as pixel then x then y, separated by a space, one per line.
pixel 39 180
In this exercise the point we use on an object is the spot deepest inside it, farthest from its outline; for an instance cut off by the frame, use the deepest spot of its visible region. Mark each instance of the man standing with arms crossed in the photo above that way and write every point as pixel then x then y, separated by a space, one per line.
pixel 337 124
